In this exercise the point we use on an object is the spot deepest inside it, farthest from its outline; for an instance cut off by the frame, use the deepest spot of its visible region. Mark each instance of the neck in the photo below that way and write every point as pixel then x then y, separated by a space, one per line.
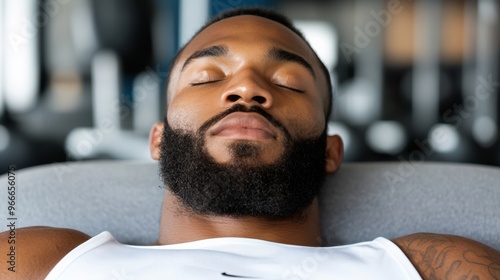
pixel 178 225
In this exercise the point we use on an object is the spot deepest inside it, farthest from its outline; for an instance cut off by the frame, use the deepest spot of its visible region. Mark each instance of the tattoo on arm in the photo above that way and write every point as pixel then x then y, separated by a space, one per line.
pixel 450 257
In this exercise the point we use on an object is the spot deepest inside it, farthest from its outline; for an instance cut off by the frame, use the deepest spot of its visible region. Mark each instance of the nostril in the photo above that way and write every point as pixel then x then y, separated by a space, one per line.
pixel 233 97
pixel 259 99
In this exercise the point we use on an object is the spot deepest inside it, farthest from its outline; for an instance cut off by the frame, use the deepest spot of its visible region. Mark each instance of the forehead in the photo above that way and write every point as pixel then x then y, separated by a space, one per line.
pixel 250 31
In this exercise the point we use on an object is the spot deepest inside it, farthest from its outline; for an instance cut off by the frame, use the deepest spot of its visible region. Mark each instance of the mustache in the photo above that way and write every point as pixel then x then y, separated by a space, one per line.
pixel 240 108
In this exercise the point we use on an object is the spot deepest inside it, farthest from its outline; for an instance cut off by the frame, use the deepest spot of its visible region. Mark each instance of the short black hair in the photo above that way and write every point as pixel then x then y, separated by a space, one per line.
pixel 271 15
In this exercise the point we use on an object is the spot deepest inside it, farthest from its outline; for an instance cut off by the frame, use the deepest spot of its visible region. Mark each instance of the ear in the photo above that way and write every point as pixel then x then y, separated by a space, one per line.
pixel 334 153
pixel 155 140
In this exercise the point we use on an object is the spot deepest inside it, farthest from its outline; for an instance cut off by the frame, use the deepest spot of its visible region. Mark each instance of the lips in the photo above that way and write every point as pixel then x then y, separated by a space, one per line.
pixel 245 126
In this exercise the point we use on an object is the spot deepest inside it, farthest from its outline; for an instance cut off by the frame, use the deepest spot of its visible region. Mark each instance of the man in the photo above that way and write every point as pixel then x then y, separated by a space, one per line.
pixel 243 151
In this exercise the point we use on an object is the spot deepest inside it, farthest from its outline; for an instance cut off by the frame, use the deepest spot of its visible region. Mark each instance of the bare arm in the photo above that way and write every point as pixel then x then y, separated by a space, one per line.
pixel 437 256
pixel 37 250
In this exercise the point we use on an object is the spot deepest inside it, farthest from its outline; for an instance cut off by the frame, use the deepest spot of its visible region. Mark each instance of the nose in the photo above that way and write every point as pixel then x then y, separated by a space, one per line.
pixel 248 88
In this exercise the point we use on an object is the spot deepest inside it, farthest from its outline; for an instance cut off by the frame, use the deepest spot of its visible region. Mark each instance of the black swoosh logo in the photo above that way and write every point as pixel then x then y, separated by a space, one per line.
pixel 236 276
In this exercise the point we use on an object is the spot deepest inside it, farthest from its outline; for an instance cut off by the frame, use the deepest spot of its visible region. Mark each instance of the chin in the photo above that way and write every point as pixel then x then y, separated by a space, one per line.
pixel 245 152
pixel 252 152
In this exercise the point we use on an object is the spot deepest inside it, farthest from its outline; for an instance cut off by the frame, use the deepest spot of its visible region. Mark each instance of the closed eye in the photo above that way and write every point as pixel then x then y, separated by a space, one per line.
pixel 204 82
pixel 290 88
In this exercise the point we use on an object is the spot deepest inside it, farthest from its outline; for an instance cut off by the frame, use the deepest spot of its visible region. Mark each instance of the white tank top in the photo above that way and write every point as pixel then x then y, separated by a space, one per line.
pixel 102 257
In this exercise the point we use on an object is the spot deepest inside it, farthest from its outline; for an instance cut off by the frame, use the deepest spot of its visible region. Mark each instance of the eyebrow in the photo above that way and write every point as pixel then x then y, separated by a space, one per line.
pixel 213 51
pixel 286 56
pixel 274 53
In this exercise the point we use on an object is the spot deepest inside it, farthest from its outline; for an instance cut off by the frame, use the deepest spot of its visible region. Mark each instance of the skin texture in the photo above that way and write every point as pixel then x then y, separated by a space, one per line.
pixel 450 257
pixel 209 85
pixel 38 250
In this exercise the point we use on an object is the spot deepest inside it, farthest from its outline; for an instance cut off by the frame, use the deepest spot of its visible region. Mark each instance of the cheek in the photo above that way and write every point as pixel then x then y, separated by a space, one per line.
pixel 304 121
pixel 316 116
pixel 186 113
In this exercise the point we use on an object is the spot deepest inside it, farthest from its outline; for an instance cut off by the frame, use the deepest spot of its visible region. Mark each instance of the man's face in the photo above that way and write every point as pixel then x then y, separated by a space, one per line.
pixel 247 60
pixel 245 133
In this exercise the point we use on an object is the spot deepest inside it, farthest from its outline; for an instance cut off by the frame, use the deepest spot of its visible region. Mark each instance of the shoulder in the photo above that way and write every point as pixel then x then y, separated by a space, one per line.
pixel 438 256
pixel 36 250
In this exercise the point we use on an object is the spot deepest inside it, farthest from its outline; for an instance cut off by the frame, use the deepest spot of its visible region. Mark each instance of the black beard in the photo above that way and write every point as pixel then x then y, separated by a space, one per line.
pixel 282 190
